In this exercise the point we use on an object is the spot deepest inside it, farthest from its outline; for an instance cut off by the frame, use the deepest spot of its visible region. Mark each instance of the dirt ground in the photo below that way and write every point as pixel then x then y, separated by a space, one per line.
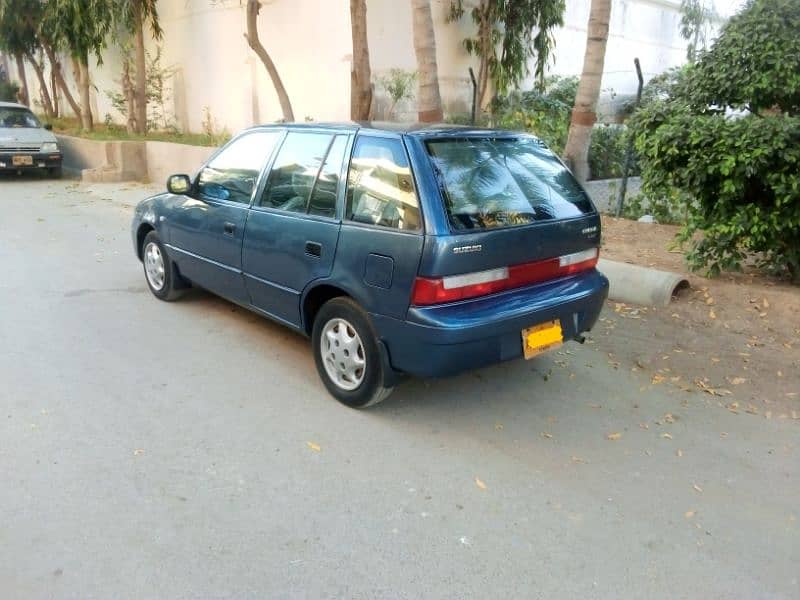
pixel 734 339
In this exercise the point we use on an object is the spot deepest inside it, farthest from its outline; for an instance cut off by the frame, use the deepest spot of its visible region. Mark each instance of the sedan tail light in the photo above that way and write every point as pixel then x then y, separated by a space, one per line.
pixel 481 283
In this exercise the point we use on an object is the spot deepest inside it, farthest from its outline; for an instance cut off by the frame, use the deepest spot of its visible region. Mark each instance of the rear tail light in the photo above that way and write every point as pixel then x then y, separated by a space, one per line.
pixel 481 283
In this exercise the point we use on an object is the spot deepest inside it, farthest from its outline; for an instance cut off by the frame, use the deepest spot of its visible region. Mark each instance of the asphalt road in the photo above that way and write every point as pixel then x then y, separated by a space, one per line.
pixel 188 450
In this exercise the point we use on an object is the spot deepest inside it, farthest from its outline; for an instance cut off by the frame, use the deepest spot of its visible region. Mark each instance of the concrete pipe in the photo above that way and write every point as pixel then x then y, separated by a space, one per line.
pixel 640 285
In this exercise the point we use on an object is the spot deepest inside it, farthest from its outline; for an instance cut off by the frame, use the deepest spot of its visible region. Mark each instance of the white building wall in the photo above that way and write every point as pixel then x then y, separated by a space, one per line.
pixel 218 77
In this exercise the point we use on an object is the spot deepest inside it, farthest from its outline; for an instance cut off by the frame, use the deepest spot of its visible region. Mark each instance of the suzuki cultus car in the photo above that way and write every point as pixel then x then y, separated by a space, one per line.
pixel 418 250
pixel 26 144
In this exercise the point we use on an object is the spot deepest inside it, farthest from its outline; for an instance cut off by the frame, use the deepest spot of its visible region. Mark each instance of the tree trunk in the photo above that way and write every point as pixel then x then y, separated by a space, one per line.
pixel 360 72
pixel 429 101
pixel 140 91
pixel 23 95
pixel 47 104
pixel 130 97
pixel 87 123
pixel 253 6
pixel 576 152
pixel 54 92
pixel 55 67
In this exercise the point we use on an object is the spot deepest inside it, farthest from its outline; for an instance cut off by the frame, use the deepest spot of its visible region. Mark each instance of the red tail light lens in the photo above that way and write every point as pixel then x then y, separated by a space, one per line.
pixel 471 285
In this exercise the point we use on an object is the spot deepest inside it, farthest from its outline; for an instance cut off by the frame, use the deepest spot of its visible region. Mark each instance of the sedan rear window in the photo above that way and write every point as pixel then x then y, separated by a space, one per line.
pixel 503 182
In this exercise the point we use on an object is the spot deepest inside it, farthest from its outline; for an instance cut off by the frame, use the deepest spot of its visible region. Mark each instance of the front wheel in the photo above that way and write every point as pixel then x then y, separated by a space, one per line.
pixel 159 272
pixel 347 355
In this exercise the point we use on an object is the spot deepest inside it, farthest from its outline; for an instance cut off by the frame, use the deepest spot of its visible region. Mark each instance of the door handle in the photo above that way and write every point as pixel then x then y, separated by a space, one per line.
pixel 229 228
pixel 314 249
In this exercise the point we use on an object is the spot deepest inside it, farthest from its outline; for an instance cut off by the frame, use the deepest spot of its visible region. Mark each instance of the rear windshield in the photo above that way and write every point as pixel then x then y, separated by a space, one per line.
pixel 502 182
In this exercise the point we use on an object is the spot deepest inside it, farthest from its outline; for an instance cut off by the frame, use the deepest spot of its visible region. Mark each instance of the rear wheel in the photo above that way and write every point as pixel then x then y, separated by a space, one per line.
pixel 347 355
pixel 159 272
pixel 54 172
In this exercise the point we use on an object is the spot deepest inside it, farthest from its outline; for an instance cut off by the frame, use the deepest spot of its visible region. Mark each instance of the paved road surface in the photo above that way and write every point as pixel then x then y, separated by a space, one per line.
pixel 153 450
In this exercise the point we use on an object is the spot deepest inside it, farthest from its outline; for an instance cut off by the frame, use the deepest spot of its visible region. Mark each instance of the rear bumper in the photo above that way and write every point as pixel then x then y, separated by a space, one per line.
pixel 48 160
pixel 447 339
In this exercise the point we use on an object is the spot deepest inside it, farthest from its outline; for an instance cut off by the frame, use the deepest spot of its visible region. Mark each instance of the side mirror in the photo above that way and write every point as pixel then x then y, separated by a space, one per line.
pixel 48 126
pixel 178 184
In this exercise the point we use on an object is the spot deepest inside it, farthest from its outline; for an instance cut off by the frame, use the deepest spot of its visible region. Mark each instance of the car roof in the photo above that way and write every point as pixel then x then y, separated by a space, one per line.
pixel 409 128
pixel 12 105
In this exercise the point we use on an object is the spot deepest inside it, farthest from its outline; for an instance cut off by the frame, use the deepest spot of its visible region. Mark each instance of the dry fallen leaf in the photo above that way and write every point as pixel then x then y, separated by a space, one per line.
pixel 657 378
pixel 498 426
pixel 480 484
pixel 614 436
pixel 547 435
pixel 738 380
pixel 314 447
pixel 138 452
pixel 666 436
pixel 689 514
pixel 698 488
pixel 679 452
pixel 577 459
pixel 712 314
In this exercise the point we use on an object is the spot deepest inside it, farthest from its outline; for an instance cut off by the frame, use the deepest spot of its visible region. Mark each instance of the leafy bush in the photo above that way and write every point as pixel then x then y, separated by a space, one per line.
pixel 728 136
pixel 607 150
pixel 8 91
pixel 545 114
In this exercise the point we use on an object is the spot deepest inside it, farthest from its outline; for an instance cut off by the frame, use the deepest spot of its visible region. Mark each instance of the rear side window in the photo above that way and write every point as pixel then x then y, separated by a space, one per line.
pixel 295 170
pixel 502 182
pixel 380 190
pixel 232 174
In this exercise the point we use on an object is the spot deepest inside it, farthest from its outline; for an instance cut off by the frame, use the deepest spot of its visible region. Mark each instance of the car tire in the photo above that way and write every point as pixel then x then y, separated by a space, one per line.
pixel 159 271
pixel 347 354
pixel 54 172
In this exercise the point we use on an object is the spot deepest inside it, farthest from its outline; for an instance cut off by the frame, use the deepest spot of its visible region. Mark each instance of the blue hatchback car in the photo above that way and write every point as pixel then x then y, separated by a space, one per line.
pixel 398 250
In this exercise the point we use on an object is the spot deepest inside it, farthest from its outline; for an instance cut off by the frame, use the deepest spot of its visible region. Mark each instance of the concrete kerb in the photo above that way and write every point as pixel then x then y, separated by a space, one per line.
pixel 123 160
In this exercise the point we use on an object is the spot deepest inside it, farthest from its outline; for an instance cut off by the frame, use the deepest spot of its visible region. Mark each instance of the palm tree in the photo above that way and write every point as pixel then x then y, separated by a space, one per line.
pixel 135 15
pixel 576 152
pixel 429 100
pixel 360 73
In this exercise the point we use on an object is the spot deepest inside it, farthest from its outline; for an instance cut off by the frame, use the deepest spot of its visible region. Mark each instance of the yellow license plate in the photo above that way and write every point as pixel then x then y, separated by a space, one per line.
pixel 22 161
pixel 541 338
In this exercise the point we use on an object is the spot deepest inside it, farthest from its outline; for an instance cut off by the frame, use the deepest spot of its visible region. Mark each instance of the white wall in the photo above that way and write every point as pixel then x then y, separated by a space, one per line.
pixel 310 42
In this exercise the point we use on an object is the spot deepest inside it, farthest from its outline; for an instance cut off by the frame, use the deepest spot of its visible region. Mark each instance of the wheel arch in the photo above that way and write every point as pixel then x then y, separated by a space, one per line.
pixel 313 300
pixel 141 233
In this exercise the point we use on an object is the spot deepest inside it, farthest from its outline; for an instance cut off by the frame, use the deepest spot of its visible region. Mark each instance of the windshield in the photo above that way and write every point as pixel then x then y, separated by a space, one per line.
pixel 11 117
pixel 502 182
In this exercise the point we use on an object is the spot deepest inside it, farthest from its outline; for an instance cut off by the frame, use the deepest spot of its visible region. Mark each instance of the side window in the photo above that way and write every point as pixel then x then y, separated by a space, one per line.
pixel 232 174
pixel 323 197
pixel 295 170
pixel 380 190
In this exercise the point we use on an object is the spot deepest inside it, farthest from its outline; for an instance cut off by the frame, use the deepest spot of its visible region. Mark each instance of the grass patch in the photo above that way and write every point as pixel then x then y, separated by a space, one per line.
pixel 105 132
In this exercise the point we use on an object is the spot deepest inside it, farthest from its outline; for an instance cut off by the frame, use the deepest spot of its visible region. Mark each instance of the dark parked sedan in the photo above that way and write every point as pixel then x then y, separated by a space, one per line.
pixel 421 250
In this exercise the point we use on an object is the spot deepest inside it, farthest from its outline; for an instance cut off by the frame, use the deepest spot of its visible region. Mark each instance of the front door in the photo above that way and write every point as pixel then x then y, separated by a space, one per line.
pixel 207 228
pixel 293 227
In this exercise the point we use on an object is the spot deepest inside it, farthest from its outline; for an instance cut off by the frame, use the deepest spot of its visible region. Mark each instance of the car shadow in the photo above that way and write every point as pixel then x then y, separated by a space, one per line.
pixel 513 390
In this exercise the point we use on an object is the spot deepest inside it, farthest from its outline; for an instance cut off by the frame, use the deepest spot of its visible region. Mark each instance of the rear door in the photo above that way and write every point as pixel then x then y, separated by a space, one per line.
pixel 382 232
pixel 293 227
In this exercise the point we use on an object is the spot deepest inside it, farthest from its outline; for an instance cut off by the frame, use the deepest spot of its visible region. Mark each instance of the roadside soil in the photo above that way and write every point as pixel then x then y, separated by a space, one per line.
pixel 734 339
